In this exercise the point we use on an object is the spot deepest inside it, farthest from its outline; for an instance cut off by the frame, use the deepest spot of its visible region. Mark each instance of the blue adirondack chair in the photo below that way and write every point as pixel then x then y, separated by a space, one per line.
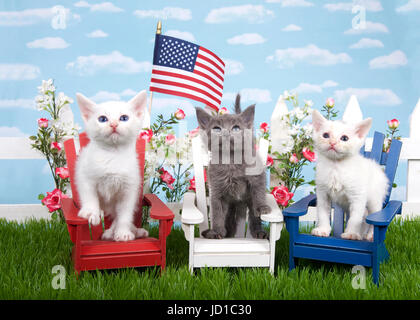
pixel 335 249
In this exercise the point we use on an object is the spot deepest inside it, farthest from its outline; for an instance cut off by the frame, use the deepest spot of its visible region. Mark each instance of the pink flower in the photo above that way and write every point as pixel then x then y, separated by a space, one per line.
pixel 170 139
pixel 53 200
pixel 270 161
pixel 264 127
pixel 43 123
pixel 308 154
pixel 282 195
pixel 166 177
pixel 330 102
pixel 223 110
pixel 293 158
pixel 179 114
pixel 393 124
pixel 55 145
pixel 62 172
pixel 193 133
pixel 146 135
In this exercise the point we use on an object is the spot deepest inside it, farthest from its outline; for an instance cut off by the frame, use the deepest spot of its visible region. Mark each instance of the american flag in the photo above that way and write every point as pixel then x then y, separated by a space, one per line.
pixel 184 69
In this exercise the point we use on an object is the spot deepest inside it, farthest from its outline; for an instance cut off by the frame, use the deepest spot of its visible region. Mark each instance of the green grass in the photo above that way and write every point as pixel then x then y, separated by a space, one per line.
pixel 29 251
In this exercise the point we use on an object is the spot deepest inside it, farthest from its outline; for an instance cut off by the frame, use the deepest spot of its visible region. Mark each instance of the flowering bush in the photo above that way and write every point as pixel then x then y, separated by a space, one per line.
pixel 51 133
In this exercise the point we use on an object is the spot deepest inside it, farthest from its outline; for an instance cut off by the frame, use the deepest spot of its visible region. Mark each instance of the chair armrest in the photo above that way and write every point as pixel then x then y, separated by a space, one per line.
pixel 190 213
pixel 275 215
pixel 158 210
pixel 70 212
pixel 300 208
pixel 385 216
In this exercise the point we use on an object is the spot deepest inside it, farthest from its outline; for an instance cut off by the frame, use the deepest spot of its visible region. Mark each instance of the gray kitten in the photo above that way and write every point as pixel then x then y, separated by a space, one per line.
pixel 235 184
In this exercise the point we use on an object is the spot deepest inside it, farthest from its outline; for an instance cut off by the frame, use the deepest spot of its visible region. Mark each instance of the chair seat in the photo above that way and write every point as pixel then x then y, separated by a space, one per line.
pixel 231 245
pixel 101 247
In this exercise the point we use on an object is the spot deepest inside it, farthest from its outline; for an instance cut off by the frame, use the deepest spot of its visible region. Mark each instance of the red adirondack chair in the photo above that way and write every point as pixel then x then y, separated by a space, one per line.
pixel 89 251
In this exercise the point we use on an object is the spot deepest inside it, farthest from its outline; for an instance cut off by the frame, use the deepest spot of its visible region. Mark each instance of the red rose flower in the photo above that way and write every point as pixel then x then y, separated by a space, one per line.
pixel 166 177
pixel 192 181
pixel 62 172
pixel 393 124
pixel 282 195
pixel 179 114
pixel 56 145
pixel 308 154
pixel 53 200
pixel 146 135
pixel 264 127
pixel 270 161
pixel 43 123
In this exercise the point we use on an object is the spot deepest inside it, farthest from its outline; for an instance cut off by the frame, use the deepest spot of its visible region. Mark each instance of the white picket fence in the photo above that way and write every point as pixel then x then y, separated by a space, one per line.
pixel 20 148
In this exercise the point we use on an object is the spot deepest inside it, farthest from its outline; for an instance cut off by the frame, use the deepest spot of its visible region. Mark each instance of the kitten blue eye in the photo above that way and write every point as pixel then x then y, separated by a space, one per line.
pixel 344 138
pixel 102 119
pixel 217 129
pixel 236 128
pixel 326 135
pixel 124 117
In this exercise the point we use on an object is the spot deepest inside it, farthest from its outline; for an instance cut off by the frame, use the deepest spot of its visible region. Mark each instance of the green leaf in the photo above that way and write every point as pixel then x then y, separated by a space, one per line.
pixel 41 196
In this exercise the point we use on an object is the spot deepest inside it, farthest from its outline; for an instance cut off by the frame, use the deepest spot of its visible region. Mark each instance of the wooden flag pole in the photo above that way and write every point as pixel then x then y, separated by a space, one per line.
pixel 158 31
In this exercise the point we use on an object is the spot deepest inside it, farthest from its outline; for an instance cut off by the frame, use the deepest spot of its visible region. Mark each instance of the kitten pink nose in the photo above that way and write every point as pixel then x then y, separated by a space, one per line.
pixel 113 125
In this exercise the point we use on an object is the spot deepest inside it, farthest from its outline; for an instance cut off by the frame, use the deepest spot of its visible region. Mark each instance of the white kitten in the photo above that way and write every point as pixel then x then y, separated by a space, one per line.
pixel 107 171
pixel 345 177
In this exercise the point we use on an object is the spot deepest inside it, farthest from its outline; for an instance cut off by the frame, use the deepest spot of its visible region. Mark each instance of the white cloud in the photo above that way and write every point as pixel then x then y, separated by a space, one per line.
pixel 102 96
pixel 100 7
pixel 11 132
pixel 97 34
pixel 184 35
pixel 129 93
pixel 394 60
pixel 172 104
pixel 369 5
pixel 48 43
pixel 232 67
pixel 311 54
pixel 411 5
pixel 370 27
pixel 250 95
pixel 249 13
pixel 367 43
pixel 314 88
pixel 247 39
pixel 19 71
pixel 369 96
pixel 114 62
pixel 166 13
pixel 292 3
pixel 30 17
pixel 291 27
pixel 18 103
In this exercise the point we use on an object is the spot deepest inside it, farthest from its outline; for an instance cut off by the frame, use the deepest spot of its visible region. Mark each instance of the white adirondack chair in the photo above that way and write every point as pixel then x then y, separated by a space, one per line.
pixel 240 251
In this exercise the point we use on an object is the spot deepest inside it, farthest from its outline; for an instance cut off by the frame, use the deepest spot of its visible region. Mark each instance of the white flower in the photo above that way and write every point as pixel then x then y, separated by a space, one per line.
pixel 62 99
pixel 46 87
pixel 307 129
pixel 308 103
pixel 298 113
pixel 294 130
pixel 286 95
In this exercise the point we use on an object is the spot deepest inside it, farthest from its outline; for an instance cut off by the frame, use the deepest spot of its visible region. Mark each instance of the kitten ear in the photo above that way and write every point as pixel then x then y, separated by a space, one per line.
pixel 203 118
pixel 248 115
pixel 138 103
pixel 86 106
pixel 363 127
pixel 317 120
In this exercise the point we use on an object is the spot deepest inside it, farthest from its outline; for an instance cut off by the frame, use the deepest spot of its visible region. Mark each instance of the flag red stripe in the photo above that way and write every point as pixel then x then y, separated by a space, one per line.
pixel 211 53
pixel 209 69
pixel 186 86
pixel 185 95
pixel 181 76
pixel 211 62
pixel 208 77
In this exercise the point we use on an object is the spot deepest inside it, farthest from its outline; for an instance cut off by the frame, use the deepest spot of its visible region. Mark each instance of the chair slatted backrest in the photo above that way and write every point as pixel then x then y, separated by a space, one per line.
pixel 387 159
pixel 72 148
pixel 201 159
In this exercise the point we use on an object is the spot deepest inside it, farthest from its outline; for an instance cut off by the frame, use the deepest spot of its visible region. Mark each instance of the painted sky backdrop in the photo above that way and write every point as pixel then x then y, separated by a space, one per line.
pixel 104 50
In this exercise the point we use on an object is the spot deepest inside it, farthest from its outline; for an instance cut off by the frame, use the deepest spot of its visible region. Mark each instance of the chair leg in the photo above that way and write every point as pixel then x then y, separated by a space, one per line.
pixel 375 272
pixel 292 263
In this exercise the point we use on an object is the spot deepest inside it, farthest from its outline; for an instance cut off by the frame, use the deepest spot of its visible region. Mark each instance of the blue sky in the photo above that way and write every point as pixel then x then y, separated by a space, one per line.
pixel 104 50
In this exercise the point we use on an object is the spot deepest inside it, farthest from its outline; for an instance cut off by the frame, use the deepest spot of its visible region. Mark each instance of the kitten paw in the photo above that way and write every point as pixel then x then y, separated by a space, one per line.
pixel 141 233
pixel 211 234
pixel 108 235
pixel 263 210
pixel 321 231
pixel 368 236
pixel 351 236
pixel 93 216
pixel 123 235
pixel 262 234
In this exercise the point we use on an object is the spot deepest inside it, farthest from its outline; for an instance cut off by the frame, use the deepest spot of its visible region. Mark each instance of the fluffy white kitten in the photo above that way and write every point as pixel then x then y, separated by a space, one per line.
pixel 107 171
pixel 344 176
